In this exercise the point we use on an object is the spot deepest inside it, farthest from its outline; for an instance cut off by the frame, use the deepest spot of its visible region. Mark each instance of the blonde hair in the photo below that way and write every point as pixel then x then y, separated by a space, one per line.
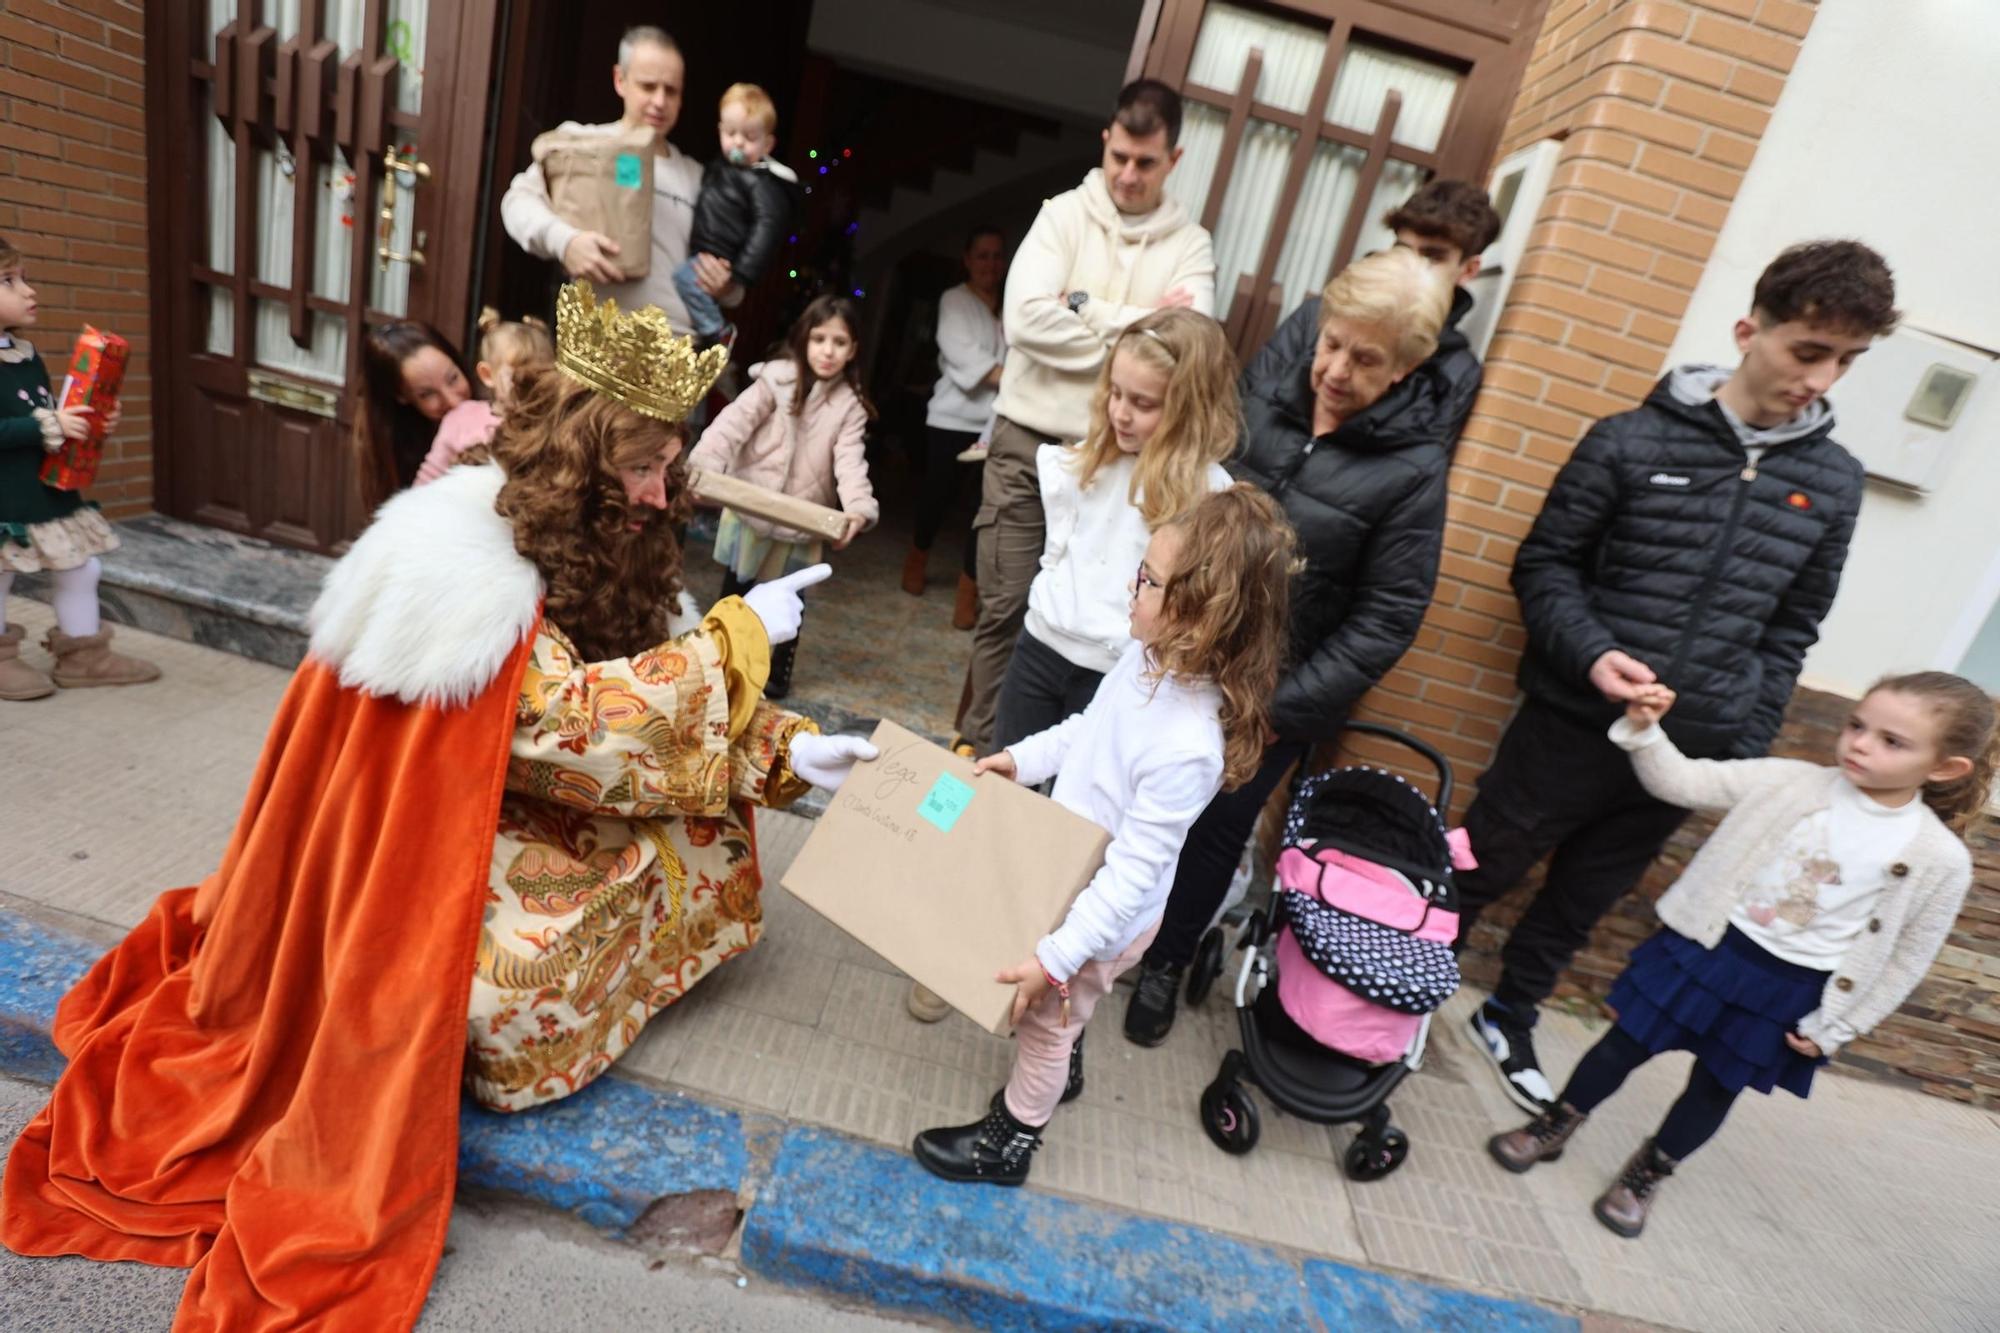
pixel 1966 728
pixel 1224 608
pixel 755 102
pixel 509 342
pixel 1398 290
pixel 1198 416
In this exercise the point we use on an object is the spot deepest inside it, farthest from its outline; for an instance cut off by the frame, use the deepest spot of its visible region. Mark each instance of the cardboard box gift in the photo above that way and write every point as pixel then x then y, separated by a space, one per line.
pixel 762 502
pixel 949 877
pixel 96 372
pixel 604 183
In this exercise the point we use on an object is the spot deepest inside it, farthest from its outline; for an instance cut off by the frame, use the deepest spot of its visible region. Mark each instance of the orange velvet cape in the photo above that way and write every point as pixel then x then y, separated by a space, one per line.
pixel 263 1078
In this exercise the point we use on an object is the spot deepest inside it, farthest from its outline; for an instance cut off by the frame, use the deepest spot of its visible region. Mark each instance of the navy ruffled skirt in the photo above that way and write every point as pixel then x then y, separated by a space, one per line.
pixel 1731 1006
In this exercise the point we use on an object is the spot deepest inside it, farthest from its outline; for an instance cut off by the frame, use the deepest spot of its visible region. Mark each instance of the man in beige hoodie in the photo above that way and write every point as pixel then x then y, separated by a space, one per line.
pixel 1097 258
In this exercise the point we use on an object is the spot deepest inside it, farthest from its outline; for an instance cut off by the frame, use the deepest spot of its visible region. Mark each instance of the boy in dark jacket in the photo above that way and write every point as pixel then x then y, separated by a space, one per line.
pixel 1696 540
pixel 743 210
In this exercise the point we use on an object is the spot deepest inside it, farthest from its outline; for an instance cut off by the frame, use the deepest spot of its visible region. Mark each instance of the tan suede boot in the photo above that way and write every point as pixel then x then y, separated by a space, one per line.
pixel 86 660
pixel 913 571
pixel 18 680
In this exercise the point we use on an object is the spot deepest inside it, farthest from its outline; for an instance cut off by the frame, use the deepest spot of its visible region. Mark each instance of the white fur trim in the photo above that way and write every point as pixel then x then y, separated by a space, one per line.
pixel 433 596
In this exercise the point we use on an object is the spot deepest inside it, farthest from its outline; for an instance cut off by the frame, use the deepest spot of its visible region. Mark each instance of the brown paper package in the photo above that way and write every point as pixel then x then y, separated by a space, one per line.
pixel 762 502
pixel 604 182
pixel 951 901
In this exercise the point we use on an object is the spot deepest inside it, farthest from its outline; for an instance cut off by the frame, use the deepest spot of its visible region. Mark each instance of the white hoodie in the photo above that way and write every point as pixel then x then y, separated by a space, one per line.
pixel 1126 263
pixel 1080 604
pixel 1142 763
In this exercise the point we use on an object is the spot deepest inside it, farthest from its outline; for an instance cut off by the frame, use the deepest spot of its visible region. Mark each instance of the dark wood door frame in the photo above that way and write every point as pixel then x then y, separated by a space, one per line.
pixel 257 467
pixel 1489 43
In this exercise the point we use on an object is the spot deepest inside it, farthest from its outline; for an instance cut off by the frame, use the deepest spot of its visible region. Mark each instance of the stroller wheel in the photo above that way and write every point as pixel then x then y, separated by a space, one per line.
pixel 1230 1117
pixel 1373 1156
pixel 1206 967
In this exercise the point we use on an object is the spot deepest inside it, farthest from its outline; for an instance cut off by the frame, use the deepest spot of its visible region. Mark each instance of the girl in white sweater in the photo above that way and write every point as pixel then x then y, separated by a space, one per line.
pixel 1807 917
pixel 1162 420
pixel 1179 716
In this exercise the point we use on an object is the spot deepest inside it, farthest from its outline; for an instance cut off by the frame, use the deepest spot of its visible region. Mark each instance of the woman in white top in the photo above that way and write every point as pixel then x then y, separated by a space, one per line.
pixel 971 348
pixel 1162 420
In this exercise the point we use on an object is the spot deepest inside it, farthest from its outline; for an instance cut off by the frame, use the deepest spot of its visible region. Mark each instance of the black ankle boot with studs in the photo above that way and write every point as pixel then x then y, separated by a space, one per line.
pixel 995 1151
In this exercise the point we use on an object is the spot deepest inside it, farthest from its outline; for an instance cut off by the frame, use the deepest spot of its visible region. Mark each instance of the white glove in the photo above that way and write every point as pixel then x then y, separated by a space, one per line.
pixel 778 604
pixel 825 761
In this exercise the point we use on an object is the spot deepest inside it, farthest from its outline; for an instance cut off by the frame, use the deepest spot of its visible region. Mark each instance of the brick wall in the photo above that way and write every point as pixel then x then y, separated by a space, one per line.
pixel 73 155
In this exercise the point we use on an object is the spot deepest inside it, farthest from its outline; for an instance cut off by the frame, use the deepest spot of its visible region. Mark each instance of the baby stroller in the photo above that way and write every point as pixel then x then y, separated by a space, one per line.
pixel 1350 955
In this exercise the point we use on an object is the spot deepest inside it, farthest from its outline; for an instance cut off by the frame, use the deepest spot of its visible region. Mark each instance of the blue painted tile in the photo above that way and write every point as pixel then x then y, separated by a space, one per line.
pixel 868 1222
pixel 1354 1298
pixel 606 1153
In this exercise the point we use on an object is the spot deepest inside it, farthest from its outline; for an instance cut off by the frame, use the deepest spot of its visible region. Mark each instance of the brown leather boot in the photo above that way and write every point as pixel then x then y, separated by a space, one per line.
pixel 965 612
pixel 1624 1206
pixel 1540 1140
pixel 913 571
pixel 18 680
pixel 86 660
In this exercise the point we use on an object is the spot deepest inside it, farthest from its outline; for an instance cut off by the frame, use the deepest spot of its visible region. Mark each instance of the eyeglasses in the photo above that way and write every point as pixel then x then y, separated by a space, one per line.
pixel 1141 580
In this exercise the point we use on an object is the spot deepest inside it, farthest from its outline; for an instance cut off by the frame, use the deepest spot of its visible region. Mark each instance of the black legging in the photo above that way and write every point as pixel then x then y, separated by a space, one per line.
pixel 1692 1120
pixel 942 473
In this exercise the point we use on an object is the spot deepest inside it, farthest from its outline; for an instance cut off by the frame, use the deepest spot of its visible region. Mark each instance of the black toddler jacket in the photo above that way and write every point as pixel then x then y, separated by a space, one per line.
pixel 742 215
pixel 1661 538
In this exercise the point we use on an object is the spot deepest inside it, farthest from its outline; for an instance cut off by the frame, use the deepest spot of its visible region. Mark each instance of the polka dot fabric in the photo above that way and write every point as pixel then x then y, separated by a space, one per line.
pixel 1373 813
pixel 1379 963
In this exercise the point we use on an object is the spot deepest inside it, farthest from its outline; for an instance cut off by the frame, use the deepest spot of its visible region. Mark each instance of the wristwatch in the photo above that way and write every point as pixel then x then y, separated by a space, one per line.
pixel 1075 301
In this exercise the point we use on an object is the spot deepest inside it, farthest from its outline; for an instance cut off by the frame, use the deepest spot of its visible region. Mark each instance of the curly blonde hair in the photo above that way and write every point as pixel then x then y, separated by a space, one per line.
pixel 1198 417
pixel 1224 608
pixel 1967 726
pixel 608 588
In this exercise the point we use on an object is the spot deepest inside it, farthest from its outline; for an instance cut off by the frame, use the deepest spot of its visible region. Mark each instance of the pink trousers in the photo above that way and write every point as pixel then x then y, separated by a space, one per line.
pixel 1042 1044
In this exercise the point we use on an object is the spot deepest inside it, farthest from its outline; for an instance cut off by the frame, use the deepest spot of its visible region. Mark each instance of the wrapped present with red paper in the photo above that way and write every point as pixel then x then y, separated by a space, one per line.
pixel 96 370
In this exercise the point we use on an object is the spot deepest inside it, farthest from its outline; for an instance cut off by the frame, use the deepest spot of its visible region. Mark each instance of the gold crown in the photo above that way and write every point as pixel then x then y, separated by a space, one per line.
pixel 635 357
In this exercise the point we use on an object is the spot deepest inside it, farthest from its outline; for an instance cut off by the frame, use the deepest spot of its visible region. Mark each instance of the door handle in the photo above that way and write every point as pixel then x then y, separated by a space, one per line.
pixel 401 170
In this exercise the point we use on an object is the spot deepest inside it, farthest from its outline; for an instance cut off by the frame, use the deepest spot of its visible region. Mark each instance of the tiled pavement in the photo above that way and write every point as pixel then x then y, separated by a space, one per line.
pixel 1867 1207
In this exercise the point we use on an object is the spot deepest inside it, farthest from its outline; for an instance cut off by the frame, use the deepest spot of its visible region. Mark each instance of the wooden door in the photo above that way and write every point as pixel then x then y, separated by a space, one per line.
pixel 316 170
pixel 1307 121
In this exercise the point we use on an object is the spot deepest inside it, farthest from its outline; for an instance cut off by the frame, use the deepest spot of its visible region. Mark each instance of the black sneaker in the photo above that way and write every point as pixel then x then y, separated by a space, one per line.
pixel 1150 1015
pixel 1511 1048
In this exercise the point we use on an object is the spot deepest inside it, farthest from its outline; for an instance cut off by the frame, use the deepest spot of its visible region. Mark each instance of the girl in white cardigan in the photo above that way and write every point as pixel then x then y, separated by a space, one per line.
pixel 1807 917
pixel 1179 716
pixel 1162 420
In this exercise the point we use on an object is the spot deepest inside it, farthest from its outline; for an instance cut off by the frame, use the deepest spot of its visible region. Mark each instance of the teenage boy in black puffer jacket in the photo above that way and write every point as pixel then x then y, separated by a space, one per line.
pixel 744 209
pixel 1696 540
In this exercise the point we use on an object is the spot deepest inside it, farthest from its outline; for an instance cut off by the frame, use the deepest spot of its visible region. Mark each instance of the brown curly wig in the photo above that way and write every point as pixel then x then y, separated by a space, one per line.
pixel 1226 606
pixel 608 588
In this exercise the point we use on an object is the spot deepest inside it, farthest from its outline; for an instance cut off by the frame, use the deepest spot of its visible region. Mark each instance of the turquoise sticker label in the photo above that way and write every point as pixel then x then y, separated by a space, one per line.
pixel 629 171
pixel 946 802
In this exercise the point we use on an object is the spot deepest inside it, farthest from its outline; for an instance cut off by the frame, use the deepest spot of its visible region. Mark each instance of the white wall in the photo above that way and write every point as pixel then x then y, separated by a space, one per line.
pixel 1888 132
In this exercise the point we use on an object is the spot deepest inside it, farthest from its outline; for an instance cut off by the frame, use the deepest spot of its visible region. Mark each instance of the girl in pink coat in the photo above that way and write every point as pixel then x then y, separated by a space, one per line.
pixel 798 429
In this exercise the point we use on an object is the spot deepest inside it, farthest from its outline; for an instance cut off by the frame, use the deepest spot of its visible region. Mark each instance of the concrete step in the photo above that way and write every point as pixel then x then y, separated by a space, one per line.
pixel 206 586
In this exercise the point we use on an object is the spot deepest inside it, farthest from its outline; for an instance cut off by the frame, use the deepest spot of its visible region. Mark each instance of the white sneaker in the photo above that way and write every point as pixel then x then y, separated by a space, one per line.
pixel 975 454
pixel 1511 1048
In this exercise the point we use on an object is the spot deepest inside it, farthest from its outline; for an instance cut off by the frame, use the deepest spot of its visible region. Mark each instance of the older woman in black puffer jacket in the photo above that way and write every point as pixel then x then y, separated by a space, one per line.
pixel 1353 438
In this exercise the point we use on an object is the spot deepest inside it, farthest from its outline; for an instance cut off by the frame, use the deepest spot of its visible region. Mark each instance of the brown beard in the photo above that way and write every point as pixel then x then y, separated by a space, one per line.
pixel 608 588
